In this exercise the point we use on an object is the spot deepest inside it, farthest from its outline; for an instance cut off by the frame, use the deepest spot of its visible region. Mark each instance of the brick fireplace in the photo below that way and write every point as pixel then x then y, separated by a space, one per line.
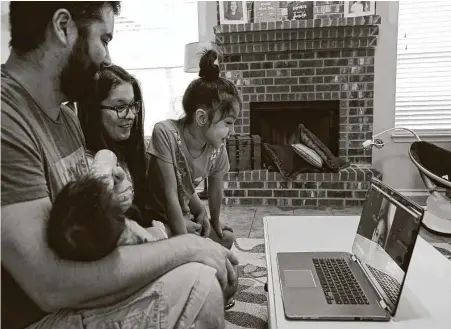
pixel 318 72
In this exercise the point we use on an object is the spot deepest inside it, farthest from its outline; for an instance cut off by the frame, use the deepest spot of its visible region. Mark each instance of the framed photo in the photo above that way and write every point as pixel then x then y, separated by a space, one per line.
pixel 233 12
pixel 359 8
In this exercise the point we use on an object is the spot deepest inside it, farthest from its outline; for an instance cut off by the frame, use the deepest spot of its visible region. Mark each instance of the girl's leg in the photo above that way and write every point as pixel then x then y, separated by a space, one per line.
pixel 227 240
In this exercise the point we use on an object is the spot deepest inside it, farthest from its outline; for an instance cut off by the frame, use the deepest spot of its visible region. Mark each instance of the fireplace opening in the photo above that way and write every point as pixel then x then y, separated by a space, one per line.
pixel 277 122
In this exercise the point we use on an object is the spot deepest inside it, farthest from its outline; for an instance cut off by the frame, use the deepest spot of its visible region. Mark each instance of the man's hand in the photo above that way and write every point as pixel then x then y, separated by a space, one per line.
pixel 204 221
pixel 214 255
pixel 219 227
pixel 123 188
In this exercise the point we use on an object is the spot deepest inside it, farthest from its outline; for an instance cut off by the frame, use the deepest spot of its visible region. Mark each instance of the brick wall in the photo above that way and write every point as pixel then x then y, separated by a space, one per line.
pixel 346 188
pixel 317 59
pixel 329 57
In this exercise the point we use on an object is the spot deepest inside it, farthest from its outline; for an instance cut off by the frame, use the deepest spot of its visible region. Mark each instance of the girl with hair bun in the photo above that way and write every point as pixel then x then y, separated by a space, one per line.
pixel 186 151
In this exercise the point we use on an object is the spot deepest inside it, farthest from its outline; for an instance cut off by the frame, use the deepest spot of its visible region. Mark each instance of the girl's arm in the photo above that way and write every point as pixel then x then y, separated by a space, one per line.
pixel 215 184
pixel 200 214
pixel 172 205
pixel 162 149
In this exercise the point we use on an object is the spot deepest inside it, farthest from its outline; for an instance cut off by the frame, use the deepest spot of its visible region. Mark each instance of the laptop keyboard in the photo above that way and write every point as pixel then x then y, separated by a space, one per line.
pixel 338 282
pixel 390 286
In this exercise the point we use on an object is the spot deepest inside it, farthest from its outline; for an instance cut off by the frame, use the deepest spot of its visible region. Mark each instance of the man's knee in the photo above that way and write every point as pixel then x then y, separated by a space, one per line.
pixel 211 315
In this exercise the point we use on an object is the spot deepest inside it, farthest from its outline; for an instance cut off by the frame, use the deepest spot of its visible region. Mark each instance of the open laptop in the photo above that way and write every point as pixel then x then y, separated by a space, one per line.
pixel 365 284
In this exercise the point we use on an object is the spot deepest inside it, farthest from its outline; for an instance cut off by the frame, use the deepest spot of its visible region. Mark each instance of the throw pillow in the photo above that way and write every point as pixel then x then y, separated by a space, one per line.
pixel 309 139
pixel 308 155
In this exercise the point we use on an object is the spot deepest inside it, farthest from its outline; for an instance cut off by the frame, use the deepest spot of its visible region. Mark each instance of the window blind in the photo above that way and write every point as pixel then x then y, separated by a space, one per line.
pixel 423 76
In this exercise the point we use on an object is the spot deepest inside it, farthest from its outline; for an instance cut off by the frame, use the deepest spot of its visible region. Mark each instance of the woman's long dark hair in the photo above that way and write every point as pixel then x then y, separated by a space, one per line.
pixel 131 151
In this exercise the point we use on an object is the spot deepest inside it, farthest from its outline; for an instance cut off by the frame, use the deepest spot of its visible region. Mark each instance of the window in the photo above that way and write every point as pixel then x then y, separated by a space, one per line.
pixel 423 77
pixel 149 42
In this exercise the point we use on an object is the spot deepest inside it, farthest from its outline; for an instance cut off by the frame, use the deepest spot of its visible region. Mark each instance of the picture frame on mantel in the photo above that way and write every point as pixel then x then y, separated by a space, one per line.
pixel 359 8
pixel 233 12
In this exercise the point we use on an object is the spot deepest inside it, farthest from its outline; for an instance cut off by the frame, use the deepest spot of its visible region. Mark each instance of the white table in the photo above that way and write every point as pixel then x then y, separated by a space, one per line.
pixel 426 298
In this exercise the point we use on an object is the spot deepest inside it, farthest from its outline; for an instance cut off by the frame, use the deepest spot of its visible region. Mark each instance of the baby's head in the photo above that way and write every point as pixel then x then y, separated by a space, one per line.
pixel 86 221
pixel 212 103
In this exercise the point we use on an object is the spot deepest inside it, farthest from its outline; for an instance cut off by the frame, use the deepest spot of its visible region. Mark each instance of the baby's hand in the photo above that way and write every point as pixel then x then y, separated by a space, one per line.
pixel 102 166
pixel 123 188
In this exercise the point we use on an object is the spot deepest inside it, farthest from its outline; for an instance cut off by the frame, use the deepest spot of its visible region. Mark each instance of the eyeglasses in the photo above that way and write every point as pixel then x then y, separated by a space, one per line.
pixel 122 110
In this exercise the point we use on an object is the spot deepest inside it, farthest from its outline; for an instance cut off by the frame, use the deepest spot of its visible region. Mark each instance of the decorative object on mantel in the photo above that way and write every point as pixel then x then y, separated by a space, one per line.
pixel 434 166
pixel 359 8
pixel 267 11
pixel 296 10
pixel 233 12
pixel 244 152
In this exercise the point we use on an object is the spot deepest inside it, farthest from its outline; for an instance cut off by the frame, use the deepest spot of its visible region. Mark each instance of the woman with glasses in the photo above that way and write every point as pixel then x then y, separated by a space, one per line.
pixel 111 118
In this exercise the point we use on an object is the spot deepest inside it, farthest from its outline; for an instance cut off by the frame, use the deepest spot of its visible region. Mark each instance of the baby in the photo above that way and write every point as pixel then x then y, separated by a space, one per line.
pixel 86 222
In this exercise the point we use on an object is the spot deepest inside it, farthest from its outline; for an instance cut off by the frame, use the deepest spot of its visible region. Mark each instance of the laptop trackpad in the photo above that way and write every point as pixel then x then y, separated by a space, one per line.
pixel 299 279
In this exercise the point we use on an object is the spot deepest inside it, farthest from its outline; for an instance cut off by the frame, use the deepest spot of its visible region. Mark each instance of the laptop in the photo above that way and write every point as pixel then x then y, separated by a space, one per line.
pixel 365 284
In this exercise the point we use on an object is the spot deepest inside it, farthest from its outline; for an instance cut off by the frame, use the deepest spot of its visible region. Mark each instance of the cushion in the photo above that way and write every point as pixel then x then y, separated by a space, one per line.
pixel 309 139
pixel 308 155
pixel 284 159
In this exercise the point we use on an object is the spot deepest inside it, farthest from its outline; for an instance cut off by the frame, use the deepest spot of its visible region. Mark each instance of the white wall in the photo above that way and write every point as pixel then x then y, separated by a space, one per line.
pixel 5 31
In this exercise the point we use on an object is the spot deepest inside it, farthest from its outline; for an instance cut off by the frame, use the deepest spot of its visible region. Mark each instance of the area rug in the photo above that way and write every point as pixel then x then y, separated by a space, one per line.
pixel 250 310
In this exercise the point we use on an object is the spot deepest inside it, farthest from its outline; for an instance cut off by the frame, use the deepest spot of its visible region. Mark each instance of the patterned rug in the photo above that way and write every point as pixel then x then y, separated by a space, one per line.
pixel 250 310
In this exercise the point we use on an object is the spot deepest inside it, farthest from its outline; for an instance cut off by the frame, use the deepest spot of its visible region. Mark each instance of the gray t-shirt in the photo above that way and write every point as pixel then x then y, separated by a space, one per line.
pixel 39 157
pixel 169 146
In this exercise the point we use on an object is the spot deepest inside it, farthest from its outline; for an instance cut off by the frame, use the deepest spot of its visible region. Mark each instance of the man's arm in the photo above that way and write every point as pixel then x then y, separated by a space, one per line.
pixel 54 284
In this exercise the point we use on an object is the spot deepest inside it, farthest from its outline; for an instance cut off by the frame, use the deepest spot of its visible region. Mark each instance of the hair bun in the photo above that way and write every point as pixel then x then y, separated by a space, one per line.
pixel 208 69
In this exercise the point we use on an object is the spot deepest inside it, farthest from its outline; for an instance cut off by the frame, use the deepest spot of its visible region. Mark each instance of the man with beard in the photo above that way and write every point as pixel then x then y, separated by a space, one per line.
pixel 56 49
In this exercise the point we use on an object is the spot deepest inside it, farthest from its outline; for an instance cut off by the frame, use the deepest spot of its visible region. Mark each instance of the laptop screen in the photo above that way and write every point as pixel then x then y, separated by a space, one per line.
pixel 385 239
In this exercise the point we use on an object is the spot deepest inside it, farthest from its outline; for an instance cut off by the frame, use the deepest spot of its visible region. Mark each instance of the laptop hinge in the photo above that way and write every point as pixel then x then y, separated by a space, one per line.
pixel 383 304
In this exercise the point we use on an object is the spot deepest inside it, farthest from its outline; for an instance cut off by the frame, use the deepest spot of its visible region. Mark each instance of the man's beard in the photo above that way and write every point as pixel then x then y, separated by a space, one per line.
pixel 78 74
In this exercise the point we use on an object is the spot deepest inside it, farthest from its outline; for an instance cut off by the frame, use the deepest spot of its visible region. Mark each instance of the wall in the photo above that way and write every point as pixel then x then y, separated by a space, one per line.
pixel 393 160
pixel 5 31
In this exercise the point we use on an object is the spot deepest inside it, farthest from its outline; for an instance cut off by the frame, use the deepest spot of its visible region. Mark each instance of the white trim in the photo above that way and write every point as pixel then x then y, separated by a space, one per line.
pixel 417 192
